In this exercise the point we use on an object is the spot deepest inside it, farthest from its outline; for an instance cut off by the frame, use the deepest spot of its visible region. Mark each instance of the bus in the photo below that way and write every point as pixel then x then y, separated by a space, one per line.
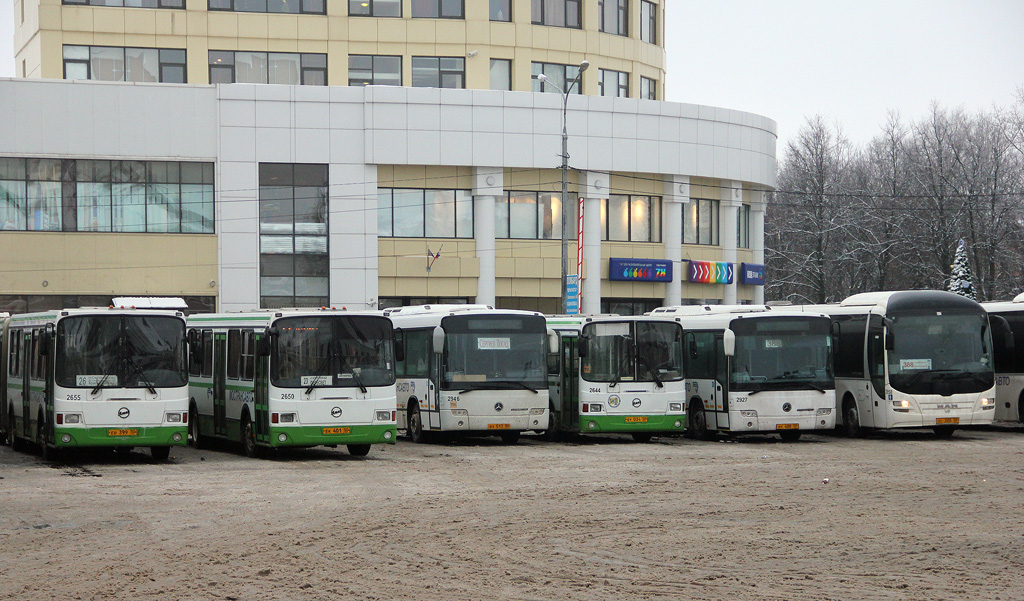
pixel 751 370
pixel 1007 329
pixel 911 359
pixel 616 375
pixel 292 378
pixel 96 377
pixel 471 370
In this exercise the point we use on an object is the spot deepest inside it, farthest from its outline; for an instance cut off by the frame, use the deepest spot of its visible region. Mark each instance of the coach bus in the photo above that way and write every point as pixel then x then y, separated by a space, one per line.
pixel 911 359
pixel 292 378
pixel 750 370
pixel 471 370
pixel 1007 334
pixel 617 375
pixel 96 377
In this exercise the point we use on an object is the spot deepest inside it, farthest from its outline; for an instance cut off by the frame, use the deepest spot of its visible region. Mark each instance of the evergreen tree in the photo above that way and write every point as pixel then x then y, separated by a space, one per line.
pixel 960 279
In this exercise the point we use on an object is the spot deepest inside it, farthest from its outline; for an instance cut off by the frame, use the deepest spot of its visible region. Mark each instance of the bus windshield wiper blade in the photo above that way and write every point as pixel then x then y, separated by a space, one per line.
pixel 352 371
pixel 320 370
pixel 650 370
pixel 106 375
pixel 142 376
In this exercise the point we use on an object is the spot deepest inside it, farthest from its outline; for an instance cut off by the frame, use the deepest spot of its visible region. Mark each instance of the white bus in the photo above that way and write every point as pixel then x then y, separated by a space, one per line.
pixel 96 377
pixel 617 374
pixel 911 359
pixel 749 369
pixel 471 369
pixel 1008 332
pixel 292 378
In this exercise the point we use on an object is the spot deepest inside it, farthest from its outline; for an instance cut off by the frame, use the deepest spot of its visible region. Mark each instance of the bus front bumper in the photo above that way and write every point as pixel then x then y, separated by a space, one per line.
pixel 312 436
pixel 135 436
pixel 632 423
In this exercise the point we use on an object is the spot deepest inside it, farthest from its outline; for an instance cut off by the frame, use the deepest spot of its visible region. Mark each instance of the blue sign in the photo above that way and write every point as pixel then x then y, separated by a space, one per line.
pixel 572 294
pixel 640 270
pixel 752 273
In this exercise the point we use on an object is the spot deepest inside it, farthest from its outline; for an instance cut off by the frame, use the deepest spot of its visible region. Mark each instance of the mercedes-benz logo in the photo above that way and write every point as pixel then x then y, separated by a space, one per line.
pixel 123 413
pixel 636 403
pixel 498 406
pixel 786 407
pixel 336 412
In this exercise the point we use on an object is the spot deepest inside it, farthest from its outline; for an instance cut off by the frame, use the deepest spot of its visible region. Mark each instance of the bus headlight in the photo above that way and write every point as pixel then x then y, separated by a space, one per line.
pixel 537 411
pixel 986 403
pixel 460 412
pixel 748 413
pixel 72 418
pixel 596 407
pixel 287 418
pixel 383 416
pixel 824 411
pixel 172 418
pixel 675 406
pixel 902 406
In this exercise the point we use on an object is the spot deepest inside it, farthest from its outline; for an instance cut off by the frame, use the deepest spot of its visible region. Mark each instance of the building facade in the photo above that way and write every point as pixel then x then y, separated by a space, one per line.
pixel 369 153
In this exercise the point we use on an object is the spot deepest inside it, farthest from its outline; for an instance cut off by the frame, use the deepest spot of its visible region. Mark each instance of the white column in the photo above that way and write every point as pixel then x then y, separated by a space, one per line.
pixel 677 194
pixel 757 209
pixel 488 187
pixel 595 188
pixel 732 199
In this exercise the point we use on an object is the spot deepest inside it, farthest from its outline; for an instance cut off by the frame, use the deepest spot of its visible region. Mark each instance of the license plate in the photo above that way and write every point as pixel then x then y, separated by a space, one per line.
pixel 947 420
pixel 636 420
pixel 499 426
pixel 787 426
pixel 337 430
pixel 120 432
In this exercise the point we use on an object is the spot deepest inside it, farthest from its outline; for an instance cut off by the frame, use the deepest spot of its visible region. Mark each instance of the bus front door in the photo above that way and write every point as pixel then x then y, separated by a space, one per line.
pixel 261 395
pixel 721 396
pixel 27 359
pixel 220 425
pixel 569 386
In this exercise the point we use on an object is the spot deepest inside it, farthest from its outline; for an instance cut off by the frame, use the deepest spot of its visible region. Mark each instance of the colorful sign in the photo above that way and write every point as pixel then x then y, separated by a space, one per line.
pixel 639 270
pixel 752 273
pixel 572 294
pixel 711 272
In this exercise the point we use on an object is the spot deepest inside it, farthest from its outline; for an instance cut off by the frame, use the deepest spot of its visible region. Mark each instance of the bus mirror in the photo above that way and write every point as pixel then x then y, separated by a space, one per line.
pixel 552 341
pixel 438 339
pixel 1004 326
pixel 263 346
pixel 45 339
pixel 399 351
pixel 581 346
pixel 890 341
pixel 729 343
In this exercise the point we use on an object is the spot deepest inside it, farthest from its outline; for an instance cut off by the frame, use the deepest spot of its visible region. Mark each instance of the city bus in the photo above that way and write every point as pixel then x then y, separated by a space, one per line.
pixel 911 359
pixel 616 375
pixel 96 377
pixel 292 378
pixel 471 370
pixel 751 370
pixel 1008 331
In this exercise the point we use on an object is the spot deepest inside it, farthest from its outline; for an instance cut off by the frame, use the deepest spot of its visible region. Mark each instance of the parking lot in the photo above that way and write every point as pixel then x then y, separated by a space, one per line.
pixel 900 515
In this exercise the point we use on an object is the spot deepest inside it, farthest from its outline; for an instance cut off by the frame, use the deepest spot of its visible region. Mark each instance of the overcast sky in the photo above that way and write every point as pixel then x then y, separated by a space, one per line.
pixel 848 60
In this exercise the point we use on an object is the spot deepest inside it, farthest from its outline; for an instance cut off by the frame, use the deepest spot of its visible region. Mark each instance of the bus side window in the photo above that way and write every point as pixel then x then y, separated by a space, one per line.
pixel 248 354
pixel 14 355
pixel 418 352
pixel 234 353
pixel 849 352
pixel 876 354
pixel 207 353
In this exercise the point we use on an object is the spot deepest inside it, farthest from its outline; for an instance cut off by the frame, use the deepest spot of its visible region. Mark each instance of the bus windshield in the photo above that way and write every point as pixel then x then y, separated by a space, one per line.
pixel 332 351
pixel 120 351
pixel 941 352
pixel 639 351
pixel 487 351
pixel 782 353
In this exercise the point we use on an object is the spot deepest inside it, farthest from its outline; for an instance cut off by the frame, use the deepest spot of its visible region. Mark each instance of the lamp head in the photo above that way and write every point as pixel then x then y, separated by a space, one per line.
pixel 542 78
pixel 584 66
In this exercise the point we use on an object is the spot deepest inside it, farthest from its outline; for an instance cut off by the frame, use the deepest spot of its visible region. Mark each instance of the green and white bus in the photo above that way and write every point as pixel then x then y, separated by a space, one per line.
pixel 96 377
pixel 617 375
pixel 1007 319
pixel 292 378
pixel 752 370
pixel 471 369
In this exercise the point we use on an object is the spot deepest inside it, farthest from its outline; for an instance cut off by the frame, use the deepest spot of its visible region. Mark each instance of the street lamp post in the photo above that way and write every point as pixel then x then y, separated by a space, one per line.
pixel 565 179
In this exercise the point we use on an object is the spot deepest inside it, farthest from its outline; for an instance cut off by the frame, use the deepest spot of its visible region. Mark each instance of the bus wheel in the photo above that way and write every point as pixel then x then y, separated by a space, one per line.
pixel 415 425
pixel 944 431
pixel 48 453
pixel 193 428
pixel 698 422
pixel 510 437
pixel 160 454
pixel 851 419
pixel 790 435
pixel 642 436
pixel 358 450
pixel 249 439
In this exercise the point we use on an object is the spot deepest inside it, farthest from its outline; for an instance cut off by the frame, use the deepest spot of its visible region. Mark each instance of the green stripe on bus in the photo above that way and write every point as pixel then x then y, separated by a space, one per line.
pixel 153 436
pixel 617 423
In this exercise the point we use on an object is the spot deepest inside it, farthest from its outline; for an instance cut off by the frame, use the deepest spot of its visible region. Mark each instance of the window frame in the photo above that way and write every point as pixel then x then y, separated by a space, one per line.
pixel 621 13
pixel 370 6
pixel 440 7
pixel 162 56
pixel 649 25
pixel 373 69
pixel 621 89
pixel 159 4
pixel 441 72
pixel 500 5
pixel 565 5
pixel 460 199
pixel 538 85
pixel 304 69
pixel 302 8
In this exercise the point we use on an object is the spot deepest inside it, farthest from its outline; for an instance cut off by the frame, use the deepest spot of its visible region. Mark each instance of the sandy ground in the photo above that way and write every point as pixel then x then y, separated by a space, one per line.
pixel 902 516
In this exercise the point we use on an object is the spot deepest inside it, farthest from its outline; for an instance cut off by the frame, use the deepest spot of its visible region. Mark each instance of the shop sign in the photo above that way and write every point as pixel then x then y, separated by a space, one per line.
pixel 640 270
pixel 752 273
pixel 711 272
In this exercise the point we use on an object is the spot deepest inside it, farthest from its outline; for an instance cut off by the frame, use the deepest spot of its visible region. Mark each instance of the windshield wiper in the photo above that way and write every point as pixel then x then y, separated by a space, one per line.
pixel 103 380
pixel 319 373
pixel 142 376
pixel 344 364
pixel 650 370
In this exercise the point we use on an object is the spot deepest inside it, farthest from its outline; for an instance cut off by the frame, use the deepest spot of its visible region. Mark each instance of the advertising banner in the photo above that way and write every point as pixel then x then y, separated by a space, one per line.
pixel 639 270
pixel 711 272
pixel 752 273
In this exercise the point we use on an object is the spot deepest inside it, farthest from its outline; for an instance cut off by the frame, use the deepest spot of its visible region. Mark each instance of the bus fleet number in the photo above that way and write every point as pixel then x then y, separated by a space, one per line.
pixel 1000 381
pixel 288 396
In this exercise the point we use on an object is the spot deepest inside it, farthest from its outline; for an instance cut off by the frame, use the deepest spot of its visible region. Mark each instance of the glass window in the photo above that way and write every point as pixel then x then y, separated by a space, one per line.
pixel 124 64
pixel 631 218
pixel 501 74
pixel 558 77
pixel 307 7
pixel 648 88
pixel 366 70
pixel 437 9
pixel 648 22
pixel 614 83
pixel 438 72
pixel 557 13
pixel 131 3
pixel 143 64
pixel 522 214
pixel 407 213
pixel 375 8
pixel 94 202
pixel 501 10
pixel 285 68
pixel 743 227
pixel 700 222
pixel 614 16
